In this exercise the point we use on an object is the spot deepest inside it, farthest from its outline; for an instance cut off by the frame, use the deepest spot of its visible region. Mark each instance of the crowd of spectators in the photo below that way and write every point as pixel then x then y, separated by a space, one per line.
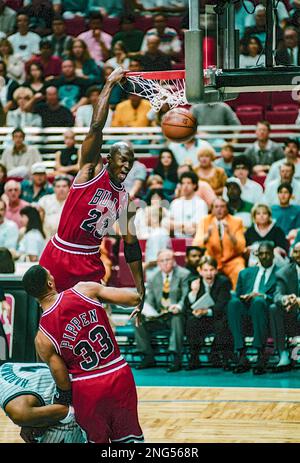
pixel 239 212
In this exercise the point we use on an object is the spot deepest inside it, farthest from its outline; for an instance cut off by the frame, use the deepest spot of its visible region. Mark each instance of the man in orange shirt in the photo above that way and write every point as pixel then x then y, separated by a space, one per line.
pixel 132 113
pixel 223 236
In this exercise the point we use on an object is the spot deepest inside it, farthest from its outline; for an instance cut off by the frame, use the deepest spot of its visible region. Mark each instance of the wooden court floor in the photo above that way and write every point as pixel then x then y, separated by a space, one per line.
pixel 211 415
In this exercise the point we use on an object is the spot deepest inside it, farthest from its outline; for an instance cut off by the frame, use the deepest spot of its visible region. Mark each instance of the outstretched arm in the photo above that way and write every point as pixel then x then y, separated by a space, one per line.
pixel 91 146
pixel 120 296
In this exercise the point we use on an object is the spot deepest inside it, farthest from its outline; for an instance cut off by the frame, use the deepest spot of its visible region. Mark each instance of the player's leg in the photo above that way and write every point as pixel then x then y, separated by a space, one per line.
pixel 125 427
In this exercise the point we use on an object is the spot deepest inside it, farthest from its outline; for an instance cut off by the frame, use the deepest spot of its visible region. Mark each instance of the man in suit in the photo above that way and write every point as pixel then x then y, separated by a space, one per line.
pixel 193 256
pixel 165 294
pixel 253 297
pixel 223 236
pixel 206 320
pixel 284 314
pixel 289 54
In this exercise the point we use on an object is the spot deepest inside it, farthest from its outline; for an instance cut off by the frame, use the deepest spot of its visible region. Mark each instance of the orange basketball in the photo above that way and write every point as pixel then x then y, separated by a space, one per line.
pixel 179 125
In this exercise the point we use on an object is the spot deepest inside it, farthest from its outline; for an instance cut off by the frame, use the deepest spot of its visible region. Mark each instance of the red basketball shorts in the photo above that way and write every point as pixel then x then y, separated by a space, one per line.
pixel 70 268
pixel 106 407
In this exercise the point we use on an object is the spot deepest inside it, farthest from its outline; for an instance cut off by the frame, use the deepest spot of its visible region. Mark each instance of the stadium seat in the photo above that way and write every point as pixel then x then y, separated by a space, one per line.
pixel 14 4
pixel 144 23
pixel 75 26
pixel 285 107
pixel 249 117
pixel 282 117
pixel 150 162
pixel 111 25
pixel 282 98
pixel 260 98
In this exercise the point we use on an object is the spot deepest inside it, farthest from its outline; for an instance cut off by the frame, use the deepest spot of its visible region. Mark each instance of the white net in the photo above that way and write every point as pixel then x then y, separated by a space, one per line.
pixel 159 91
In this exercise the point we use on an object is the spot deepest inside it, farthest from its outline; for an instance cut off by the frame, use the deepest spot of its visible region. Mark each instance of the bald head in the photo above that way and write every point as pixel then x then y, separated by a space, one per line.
pixel 153 43
pixel 121 147
pixel 52 96
pixel 12 189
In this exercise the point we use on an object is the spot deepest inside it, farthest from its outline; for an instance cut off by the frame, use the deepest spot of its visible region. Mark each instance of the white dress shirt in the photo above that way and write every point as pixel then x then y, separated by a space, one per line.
pixel 259 276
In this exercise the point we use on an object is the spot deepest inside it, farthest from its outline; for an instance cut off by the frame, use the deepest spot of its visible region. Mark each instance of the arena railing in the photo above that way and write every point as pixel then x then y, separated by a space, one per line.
pixel 147 141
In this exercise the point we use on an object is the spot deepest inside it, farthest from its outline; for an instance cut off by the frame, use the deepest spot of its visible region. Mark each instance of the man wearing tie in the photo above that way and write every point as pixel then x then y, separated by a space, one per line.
pixel 211 317
pixel 165 295
pixel 253 297
pixel 284 314
pixel 289 55
pixel 223 236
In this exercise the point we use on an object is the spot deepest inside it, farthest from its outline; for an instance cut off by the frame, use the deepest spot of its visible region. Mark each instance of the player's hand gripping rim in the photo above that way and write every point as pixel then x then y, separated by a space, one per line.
pixel 137 312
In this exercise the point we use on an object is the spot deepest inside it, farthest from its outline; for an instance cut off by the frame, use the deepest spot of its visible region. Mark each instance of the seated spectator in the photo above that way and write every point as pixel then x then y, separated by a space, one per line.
pixel 7 265
pixel 60 41
pixel 152 215
pixel 24 42
pixel 214 114
pixel 120 57
pixel 33 190
pixel 193 256
pixel 252 192
pixel 153 58
pixel 204 190
pixel 252 55
pixel 7 18
pixel 9 231
pixel 85 66
pixel 202 321
pixel 263 152
pixel 165 295
pixel 252 299
pixel 98 42
pixel 135 179
pixel 14 203
pixel 132 112
pixel 154 182
pixel 167 169
pixel 67 160
pixel 3 178
pixel 169 42
pixel 131 37
pixel 281 13
pixel 85 112
pixel 51 64
pixel 236 205
pixel 110 8
pixel 291 153
pixel 7 91
pixel 286 171
pixel 71 89
pixel 53 114
pixel 186 211
pixel 20 117
pixel 288 54
pixel 35 78
pixel 32 243
pixel 284 314
pixel 186 153
pixel 116 96
pixel 51 205
pixel 14 63
pixel 225 161
pixel 40 15
pixel 223 236
pixel 265 228
pixel 209 173
pixel 259 28
pixel 70 8
pixel 19 158
pixel 287 216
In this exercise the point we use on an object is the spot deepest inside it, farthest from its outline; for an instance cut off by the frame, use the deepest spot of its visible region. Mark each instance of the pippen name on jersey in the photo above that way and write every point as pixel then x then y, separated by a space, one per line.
pixel 75 325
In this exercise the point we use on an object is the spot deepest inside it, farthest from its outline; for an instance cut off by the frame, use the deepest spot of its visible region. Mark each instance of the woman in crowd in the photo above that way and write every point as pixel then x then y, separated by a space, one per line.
pixel 252 54
pixel 14 63
pixel 264 228
pixel 147 218
pixel 167 169
pixel 7 264
pixel 33 241
pixel 208 172
pixel 85 66
pixel 35 79
pixel 119 56
pixel 19 117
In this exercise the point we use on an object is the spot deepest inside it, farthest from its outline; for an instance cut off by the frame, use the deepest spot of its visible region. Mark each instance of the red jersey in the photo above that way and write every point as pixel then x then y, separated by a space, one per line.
pixel 90 210
pixel 79 329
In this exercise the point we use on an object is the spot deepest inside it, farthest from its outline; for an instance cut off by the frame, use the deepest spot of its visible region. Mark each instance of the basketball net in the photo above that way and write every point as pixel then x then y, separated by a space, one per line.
pixel 164 87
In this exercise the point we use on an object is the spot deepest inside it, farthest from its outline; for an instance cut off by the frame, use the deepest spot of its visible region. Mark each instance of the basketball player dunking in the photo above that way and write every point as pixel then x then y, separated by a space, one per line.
pixel 75 338
pixel 96 200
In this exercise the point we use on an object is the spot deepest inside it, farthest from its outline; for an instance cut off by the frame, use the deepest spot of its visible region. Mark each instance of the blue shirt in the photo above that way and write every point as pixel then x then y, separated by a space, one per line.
pixel 287 218
pixel 9 234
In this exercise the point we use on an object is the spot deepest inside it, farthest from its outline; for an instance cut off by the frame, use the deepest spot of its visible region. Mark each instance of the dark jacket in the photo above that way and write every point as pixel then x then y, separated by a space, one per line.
pixel 246 282
pixel 287 282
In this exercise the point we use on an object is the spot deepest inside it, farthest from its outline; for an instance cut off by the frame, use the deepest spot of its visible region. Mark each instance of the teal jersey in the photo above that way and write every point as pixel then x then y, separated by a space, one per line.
pixel 17 379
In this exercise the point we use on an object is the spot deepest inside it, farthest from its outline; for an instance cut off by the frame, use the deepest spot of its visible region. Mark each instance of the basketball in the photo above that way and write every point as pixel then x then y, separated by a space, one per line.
pixel 179 125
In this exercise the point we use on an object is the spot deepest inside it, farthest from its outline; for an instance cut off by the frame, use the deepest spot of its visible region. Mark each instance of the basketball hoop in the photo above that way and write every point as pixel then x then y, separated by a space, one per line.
pixel 159 87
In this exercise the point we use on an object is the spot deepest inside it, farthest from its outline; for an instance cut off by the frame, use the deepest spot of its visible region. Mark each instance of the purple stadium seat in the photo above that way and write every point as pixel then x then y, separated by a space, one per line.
pixel 14 4
pixel 282 98
pixel 253 98
pixel 150 162
pixel 144 23
pixel 282 117
pixel 249 117
pixel 285 107
pixel 111 25
pixel 75 26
